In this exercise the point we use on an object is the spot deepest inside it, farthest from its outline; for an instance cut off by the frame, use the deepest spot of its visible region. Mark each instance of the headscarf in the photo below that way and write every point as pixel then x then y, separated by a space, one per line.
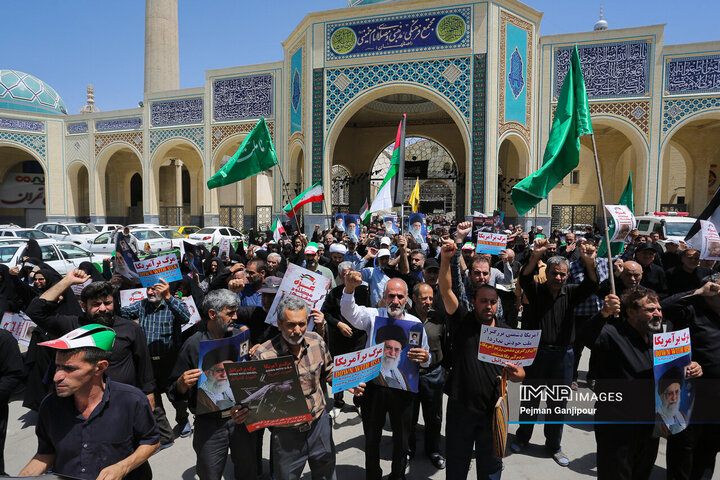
pixel 8 295
pixel 91 270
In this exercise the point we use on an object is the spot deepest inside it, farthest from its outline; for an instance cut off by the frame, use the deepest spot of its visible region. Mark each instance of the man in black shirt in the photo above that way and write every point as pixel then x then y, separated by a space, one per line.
pixel 130 358
pixel 92 427
pixel 653 274
pixel 551 310
pixel 472 386
pixel 688 275
pixel 691 453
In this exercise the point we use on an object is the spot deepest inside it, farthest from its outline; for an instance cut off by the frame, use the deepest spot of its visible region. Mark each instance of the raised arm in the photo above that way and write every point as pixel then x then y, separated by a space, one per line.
pixel 447 252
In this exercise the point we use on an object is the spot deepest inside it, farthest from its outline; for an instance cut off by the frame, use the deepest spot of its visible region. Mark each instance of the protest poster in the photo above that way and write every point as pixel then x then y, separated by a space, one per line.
pixel 130 296
pixel 398 337
pixel 194 255
pixel 339 219
pixel 707 241
pixel 78 288
pixel 390 224
pixel 125 258
pixel 152 270
pixel 674 396
pixel 271 390
pixel 352 226
pixel 418 228
pixel 214 393
pixel 224 247
pixel 498 220
pixel 481 223
pixel 352 369
pixel 302 283
pixel 503 345
pixel 492 243
pixel 624 221
pixel 19 325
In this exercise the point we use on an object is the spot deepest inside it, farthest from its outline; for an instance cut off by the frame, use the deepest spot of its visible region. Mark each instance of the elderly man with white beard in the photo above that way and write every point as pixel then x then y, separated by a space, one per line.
pixel 379 400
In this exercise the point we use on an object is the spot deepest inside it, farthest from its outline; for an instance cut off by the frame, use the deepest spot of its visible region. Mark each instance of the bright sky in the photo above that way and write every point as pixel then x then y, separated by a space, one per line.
pixel 69 44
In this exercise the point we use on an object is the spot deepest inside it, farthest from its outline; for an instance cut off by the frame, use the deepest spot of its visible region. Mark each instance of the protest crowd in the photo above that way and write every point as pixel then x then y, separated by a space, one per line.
pixel 99 362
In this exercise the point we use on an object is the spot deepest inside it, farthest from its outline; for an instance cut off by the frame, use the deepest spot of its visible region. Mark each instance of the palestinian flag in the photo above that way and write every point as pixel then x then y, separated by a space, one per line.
pixel 392 193
pixel 312 194
pixel 365 214
pixel 277 230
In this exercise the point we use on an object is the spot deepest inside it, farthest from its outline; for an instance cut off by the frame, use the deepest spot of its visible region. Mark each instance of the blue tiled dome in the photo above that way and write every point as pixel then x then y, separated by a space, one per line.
pixel 23 92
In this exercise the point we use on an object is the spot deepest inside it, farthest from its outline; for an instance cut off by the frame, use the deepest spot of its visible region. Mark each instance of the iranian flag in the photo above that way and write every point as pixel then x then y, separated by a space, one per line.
pixel 365 213
pixel 312 194
pixel 277 230
pixel 391 193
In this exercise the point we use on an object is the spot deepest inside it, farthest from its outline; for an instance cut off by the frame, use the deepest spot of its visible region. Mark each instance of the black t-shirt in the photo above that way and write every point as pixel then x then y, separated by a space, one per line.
pixel 471 381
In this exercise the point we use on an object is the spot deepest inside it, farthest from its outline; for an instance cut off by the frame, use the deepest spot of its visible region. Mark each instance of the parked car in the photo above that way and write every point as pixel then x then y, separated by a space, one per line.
pixel 211 235
pixel 78 233
pixel 186 230
pixel 106 227
pixel 62 256
pixel 144 225
pixel 22 233
pixel 669 225
pixel 175 238
pixel 147 239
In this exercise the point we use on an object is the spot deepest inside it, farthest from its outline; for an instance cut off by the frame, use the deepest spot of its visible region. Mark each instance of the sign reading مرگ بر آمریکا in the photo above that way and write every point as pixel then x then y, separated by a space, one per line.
pixel 19 325
pixel 492 243
pixel 352 369
pixel 152 270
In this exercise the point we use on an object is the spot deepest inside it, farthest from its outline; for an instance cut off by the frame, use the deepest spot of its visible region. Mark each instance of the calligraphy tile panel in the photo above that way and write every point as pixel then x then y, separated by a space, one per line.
pixel 20 124
pixel 78 127
pixel 242 98
pixel 36 143
pixel 221 132
pixel 317 130
pixel 415 32
pixel 636 112
pixel 104 140
pixel 477 196
pixel 297 106
pixel 610 69
pixel 693 75
pixel 514 111
pixel 675 110
pixel 181 111
pixel 344 84
pixel 118 124
pixel 195 135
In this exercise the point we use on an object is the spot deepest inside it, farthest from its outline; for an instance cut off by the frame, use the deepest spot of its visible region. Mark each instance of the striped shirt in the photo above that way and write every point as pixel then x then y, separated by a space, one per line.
pixel 161 324
pixel 314 366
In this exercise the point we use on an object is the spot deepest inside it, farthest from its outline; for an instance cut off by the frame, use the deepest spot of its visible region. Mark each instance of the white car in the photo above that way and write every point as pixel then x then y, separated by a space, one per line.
pixel 148 240
pixel 62 256
pixel 78 233
pixel 669 225
pixel 22 233
pixel 210 236
pixel 144 225
pixel 106 227
pixel 175 238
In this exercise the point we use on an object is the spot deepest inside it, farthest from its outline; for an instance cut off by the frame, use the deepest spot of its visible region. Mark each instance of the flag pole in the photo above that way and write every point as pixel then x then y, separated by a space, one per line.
pixel 604 216
pixel 287 192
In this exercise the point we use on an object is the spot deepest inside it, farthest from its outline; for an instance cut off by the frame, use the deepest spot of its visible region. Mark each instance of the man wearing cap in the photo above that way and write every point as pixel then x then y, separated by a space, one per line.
pixel 379 400
pixel 161 316
pixel 312 262
pixel 653 274
pixel 377 277
pixel 217 431
pixel 539 233
pixel 130 359
pixel 91 426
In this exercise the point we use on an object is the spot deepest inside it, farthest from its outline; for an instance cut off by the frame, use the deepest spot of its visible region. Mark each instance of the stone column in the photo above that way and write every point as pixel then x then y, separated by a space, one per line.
pixel 162 57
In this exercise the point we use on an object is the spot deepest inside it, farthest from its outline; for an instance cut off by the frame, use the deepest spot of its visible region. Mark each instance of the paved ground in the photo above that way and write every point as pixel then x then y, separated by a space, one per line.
pixel 178 461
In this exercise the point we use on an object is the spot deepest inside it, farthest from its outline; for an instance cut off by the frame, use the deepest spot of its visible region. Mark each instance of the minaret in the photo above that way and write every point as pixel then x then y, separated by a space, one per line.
pixel 162 57
pixel 601 24
pixel 90 107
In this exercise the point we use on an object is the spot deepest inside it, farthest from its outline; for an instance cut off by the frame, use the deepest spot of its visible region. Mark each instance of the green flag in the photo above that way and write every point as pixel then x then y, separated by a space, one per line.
pixel 562 152
pixel 626 199
pixel 255 155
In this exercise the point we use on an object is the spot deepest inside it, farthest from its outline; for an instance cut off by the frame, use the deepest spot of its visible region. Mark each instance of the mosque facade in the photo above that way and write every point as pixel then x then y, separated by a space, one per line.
pixel 477 81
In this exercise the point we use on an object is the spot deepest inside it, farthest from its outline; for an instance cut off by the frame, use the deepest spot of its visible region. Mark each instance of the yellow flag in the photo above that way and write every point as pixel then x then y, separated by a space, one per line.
pixel 415 196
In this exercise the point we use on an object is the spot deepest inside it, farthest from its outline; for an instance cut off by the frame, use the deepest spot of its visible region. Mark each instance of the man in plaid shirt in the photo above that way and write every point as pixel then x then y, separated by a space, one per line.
pixel 587 309
pixel 161 316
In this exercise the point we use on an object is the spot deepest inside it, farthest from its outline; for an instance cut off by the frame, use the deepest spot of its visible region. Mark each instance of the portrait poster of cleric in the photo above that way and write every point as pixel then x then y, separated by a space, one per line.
pixel 390 224
pixel 398 337
pixel 339 222
pixel 352 226
pixel 418 228
pixel 214 393
pixel 674 393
